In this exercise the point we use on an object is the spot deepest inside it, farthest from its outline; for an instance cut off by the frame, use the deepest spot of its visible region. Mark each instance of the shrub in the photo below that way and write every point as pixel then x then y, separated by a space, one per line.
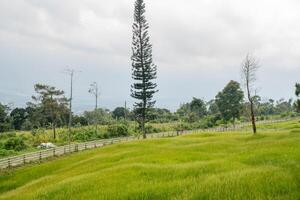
pixel 39 136
pixel 262 118
pixel 185 126
pixel 4 152
pixel 85 134
pixel 7 135
pixel 151 129
pixel 117 130
pixel 282 115
pixel 15 143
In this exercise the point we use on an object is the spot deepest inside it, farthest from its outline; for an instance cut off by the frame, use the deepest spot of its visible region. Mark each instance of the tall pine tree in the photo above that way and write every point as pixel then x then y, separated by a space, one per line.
pixel 143 69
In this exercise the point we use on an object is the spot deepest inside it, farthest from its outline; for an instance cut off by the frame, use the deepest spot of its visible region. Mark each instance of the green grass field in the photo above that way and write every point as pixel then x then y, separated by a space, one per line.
pixel 198 166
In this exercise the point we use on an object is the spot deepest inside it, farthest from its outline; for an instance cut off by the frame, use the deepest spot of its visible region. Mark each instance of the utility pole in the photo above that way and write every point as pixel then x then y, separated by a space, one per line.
pixel 94 90
pixel 71 73
pixel 71 98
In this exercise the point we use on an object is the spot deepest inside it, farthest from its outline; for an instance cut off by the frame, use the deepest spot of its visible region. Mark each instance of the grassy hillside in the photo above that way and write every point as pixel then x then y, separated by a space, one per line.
pixel 198 166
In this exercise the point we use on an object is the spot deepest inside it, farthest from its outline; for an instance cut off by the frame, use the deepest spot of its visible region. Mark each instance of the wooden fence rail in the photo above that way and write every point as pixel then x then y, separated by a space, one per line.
pixel 39 156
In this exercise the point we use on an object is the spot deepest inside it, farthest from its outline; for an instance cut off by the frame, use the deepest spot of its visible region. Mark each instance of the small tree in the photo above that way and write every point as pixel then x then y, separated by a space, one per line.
pixel 249 69
pixel 18 117
pixel 213 108
pixel 198 107
pixel 52 102
pixel 119 113
pixel 101 116
pixel 143 69
pixel 230 101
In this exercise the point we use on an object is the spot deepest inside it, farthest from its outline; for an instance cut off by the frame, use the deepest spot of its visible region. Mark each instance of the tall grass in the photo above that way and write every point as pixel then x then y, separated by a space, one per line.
pixel 198 166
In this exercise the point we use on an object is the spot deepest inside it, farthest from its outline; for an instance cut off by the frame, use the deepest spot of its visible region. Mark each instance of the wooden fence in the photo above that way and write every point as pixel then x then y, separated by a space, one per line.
pixel 41 155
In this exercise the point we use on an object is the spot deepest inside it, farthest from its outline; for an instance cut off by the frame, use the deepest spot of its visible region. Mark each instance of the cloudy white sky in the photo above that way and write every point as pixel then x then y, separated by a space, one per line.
pixel 198 46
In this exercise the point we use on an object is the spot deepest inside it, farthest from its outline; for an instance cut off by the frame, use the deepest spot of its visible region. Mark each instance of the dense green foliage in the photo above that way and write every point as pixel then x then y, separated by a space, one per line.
pixel 229 101
pixel 120 113
pixel 117 130
pixel 98 116
pixel 198 166
pixel 18 117
pixel 193 111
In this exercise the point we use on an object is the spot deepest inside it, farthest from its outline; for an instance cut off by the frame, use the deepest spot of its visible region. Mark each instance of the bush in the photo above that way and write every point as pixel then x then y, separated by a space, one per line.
pixel 262 118
pixel 151 129
pixel 185 126
pixel 4 152
pixel 85 134
pixel 15 143
pixel 5 126
pixel 283 115
pixel 117 130
pixel 39 136
pixel 27 125
pixel 7 135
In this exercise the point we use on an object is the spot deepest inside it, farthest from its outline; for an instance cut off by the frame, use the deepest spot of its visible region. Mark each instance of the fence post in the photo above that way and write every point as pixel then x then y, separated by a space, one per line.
pixel 84 145
pixel 64 150
pixel 8 162
pixel 24 159
pixel 40 156
pixel 54 152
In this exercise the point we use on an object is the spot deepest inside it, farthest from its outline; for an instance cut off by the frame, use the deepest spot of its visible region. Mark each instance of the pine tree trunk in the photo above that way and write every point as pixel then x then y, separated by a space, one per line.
pixel 144 90
pixel 143 128
pixel 234 123
pixel 54 130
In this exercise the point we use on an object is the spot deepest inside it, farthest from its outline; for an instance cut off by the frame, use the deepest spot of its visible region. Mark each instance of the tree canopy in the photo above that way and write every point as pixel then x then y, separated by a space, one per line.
pixel 52 104
pixel 229 101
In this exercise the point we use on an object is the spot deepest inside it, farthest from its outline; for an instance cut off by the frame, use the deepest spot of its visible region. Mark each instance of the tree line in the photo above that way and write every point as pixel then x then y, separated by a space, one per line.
pixel 49 109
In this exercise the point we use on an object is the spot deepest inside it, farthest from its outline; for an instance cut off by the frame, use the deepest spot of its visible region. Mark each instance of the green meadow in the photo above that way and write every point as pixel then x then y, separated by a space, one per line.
pixel 237 165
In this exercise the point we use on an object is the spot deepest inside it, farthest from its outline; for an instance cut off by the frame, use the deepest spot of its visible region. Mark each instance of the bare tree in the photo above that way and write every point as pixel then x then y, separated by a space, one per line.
pixel 249 68
pixel 94 90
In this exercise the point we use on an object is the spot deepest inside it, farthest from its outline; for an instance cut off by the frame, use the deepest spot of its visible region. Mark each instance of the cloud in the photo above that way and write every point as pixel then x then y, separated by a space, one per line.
pixel 197 45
